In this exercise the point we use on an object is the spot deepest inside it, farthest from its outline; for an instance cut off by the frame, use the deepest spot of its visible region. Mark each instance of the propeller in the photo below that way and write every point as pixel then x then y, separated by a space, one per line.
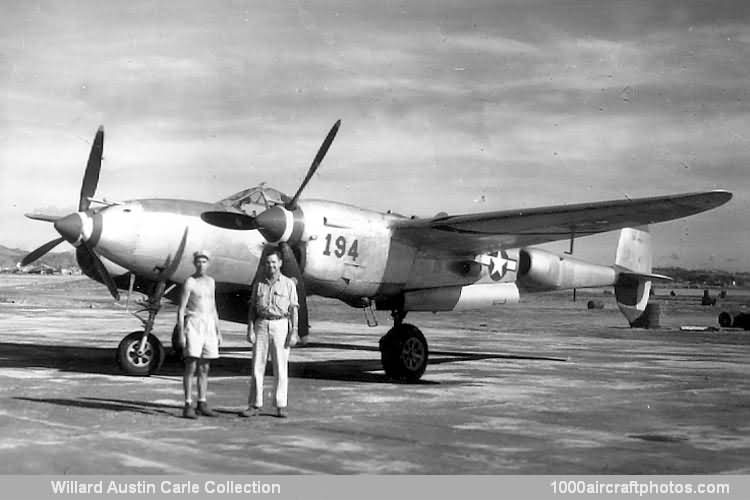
pixel 70 226
pixel 277 224
pixel 291 269
pixel 292 204
pixel 44 217
pixel 34 255
pixel 94 261
pixel 270 221
pixel 270 224
pixel 91 175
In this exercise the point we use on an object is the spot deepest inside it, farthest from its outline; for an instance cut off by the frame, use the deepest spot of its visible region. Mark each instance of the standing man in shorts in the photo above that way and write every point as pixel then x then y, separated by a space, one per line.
pixel 199 334
pixel 271 324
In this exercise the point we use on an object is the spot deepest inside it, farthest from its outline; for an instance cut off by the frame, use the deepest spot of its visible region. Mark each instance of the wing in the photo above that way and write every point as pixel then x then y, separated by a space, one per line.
pixel 472 234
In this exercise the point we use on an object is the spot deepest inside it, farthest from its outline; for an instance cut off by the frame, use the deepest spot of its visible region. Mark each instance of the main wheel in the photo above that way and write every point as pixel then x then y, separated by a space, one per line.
pixel 404 353
pixel 137 363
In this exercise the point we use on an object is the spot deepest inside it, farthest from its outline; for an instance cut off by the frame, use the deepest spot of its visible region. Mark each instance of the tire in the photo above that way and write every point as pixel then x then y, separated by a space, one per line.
pixel 140 365
pixel 404 353
pixel 725 319
pixel 176 349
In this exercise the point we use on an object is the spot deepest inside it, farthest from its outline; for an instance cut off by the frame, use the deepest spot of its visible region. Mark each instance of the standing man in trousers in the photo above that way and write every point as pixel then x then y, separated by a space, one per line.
pixel 271 323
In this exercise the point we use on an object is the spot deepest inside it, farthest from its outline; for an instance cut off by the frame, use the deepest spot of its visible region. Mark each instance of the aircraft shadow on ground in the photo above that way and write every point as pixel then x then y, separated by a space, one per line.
pixel 131 406
pixel 101 360
pixel 116 405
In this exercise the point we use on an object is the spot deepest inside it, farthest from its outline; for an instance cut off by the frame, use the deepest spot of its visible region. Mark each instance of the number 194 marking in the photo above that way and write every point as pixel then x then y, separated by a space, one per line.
pixel 340 247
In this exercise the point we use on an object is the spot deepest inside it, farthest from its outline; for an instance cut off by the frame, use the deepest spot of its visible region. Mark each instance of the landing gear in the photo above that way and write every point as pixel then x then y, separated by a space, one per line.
pixel 403 351
pixel 140 353
pixel 138 360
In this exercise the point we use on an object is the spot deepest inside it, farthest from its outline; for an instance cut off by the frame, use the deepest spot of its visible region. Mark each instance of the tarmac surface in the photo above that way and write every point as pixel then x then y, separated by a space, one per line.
pixel 544 387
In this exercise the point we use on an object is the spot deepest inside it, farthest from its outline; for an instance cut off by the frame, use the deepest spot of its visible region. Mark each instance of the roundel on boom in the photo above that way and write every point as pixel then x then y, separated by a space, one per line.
pixel 500 264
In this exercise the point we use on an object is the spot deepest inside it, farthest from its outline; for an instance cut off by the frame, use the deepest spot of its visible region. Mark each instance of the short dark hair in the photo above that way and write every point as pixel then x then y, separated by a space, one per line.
pixel 275 252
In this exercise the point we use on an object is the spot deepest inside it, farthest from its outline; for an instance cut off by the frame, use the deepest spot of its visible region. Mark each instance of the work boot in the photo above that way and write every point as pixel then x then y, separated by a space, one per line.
pixel 251 411
pixel 281 413
pixel 204 410
pixel 189 412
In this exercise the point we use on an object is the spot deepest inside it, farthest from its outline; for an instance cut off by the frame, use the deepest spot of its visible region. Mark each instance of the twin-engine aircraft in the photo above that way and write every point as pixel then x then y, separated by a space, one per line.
pixel 364 258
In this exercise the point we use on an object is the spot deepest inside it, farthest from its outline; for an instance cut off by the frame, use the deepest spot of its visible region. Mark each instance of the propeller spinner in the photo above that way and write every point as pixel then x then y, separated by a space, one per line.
pixel 71 227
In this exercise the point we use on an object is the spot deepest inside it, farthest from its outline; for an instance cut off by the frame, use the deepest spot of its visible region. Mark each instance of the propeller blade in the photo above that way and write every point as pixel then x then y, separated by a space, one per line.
pixel 91 176
pixel 292 204
pixel 101 271
pixel 45 217
pixel 230 220
pixel 31 257
pixel 303 318
pixel 291 269
pixel 173 261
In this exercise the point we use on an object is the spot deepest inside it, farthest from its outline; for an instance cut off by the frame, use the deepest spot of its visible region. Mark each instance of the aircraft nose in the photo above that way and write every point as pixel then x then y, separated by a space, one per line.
pixel 275 224
pixel 70 227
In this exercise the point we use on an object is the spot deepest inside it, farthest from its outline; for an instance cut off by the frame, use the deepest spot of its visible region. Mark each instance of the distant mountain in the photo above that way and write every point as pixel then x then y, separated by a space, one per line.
pixel 10 256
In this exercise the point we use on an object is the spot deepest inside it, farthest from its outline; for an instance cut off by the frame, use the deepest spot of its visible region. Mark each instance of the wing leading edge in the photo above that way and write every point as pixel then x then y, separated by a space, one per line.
pixel 471 234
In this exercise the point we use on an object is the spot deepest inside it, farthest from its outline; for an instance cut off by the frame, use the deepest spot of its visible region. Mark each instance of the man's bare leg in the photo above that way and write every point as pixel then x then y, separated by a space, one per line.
pixel 203 409
pixel 187 385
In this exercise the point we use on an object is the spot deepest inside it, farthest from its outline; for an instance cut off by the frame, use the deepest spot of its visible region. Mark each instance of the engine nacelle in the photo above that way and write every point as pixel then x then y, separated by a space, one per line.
pixel 461 298
pixel 540 271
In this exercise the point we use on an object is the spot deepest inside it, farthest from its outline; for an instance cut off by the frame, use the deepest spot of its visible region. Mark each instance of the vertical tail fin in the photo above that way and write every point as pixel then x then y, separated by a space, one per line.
pixel 634 250
pixel 633 262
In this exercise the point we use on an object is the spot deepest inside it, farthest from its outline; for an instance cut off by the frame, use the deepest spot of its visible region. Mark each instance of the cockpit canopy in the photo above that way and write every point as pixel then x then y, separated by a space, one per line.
pixel 255 200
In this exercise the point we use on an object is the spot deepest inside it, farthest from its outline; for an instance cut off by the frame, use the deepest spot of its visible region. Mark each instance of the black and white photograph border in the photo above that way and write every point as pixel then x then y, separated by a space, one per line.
pixel 460 135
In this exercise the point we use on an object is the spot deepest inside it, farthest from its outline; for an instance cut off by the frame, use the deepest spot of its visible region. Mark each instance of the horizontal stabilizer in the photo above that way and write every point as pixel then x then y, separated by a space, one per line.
pixel 645 276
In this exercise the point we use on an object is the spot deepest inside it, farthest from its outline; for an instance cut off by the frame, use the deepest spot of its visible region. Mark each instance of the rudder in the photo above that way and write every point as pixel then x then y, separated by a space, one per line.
pixel 633 262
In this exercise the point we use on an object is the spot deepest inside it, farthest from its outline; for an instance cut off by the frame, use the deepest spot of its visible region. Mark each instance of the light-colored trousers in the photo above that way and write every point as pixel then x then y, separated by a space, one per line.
pixel 270 334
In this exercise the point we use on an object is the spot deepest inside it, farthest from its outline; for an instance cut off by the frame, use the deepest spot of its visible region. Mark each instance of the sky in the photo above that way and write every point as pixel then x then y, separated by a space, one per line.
pixel 453 107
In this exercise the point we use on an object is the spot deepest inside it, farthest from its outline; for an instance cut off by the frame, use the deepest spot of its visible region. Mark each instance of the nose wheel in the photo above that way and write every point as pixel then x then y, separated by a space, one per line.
pixel 140 353
pixel 140 360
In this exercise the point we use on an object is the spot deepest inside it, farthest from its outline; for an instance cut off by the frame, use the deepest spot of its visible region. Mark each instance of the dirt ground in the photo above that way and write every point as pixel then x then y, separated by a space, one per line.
pixel 543 387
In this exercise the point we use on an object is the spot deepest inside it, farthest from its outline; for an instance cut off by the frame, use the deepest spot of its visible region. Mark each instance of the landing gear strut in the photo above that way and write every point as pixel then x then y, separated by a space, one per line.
pixel 140 353
pixel 403 350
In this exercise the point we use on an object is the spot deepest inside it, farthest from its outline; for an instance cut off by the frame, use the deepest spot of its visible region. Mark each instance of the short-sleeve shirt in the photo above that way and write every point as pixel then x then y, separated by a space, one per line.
pixel 275 298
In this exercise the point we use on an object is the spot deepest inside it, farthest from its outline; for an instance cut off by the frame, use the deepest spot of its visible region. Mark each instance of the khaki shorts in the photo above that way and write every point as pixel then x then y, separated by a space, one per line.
pixel 201 340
